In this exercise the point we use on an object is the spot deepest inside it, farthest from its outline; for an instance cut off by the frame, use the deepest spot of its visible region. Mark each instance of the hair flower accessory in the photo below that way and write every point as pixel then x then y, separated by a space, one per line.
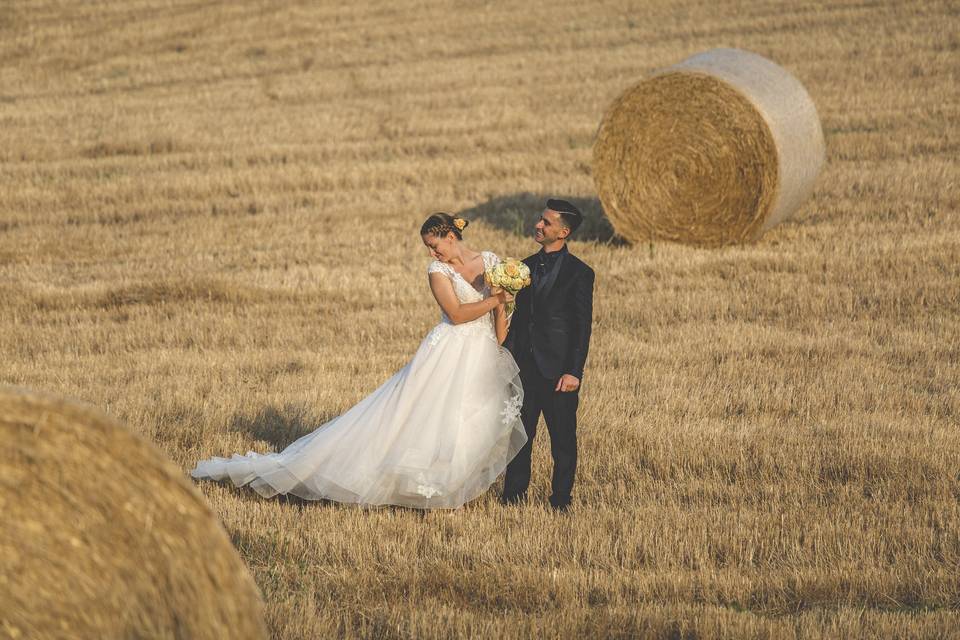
pixel 459 223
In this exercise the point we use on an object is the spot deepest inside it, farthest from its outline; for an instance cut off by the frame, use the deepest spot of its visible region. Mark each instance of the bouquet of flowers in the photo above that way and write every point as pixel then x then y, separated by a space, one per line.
pixel 511 275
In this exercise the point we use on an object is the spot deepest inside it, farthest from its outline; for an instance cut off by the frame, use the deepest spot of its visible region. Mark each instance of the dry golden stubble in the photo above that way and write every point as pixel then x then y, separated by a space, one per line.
pixel 103 537
pixel 725 388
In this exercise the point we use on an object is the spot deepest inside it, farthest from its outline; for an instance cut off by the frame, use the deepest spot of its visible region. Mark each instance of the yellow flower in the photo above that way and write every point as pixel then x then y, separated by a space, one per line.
pixel 512 270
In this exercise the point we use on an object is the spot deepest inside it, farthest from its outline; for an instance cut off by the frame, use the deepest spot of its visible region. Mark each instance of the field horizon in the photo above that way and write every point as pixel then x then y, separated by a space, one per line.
pixel 209 220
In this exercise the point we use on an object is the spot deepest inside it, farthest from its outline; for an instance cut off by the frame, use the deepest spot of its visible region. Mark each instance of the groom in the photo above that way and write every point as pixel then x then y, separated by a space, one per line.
pixel 549 337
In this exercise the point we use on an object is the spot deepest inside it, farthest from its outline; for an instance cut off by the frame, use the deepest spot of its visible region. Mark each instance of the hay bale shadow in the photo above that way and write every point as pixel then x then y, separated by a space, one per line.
pixel 519 212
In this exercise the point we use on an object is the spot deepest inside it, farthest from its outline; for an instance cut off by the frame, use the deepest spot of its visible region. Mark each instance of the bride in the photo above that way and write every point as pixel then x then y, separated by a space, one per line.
pixel 435 435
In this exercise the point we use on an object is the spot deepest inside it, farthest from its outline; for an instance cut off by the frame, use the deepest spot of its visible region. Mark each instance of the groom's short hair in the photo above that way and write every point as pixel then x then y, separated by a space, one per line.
pixel 569 213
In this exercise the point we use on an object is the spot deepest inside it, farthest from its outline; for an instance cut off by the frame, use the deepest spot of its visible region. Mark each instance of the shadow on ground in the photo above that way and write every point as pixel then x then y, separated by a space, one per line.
pixel 519 212
pixel 278 426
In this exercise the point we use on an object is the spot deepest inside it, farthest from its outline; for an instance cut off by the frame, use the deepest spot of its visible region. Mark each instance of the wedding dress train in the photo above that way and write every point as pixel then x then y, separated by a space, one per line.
pixel 435 435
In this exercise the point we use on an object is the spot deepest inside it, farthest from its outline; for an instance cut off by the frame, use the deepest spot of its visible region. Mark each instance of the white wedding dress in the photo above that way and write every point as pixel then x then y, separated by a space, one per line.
pixel 435 435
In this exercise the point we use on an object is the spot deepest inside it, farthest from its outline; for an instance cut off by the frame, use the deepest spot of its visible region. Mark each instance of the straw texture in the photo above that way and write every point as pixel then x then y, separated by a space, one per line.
pixel 712 151
pixel 102 537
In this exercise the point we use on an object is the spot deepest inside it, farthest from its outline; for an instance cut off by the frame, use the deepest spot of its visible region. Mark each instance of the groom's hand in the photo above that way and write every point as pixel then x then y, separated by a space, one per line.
pixel 567 383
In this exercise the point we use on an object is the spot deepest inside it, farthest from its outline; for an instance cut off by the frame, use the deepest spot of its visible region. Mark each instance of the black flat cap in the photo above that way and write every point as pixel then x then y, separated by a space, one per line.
pixel 562 206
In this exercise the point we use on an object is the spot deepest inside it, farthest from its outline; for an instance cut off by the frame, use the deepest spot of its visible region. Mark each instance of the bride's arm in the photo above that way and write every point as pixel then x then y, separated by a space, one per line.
pixel 501 322
pixel 459 312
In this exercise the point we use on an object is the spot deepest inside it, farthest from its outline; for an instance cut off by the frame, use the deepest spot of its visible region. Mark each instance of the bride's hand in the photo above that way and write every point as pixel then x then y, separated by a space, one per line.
pixel 502 295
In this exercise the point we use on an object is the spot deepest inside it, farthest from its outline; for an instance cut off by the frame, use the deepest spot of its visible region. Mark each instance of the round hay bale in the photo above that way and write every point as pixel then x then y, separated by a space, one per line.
pixel 102 537
pixel 714 150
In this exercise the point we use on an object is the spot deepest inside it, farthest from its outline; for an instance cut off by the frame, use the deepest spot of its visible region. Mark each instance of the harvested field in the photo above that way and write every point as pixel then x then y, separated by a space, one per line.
pixel 208 219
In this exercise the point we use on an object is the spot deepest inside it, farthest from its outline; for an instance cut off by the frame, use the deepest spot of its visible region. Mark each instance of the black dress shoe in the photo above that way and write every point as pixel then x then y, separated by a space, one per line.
pixel 560 506
pixel 515 498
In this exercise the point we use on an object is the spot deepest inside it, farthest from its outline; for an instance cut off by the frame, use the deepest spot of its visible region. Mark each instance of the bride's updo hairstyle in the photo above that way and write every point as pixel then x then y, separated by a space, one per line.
pixel 439 224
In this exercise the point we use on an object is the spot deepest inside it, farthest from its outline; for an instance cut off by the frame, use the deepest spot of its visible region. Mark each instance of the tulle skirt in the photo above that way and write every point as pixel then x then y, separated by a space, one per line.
pixel 435 435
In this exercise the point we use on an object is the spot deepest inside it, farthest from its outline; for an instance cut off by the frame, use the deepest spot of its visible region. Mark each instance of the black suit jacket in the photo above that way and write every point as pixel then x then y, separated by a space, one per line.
pixel 554 324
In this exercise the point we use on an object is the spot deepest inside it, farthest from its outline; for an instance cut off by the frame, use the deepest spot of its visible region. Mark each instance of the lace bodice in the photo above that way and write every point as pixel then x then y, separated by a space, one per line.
pixel 466 293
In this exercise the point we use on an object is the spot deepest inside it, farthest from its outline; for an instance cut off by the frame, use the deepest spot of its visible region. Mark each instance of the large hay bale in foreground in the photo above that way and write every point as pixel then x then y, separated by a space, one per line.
pixel 102 537
pixel 714 150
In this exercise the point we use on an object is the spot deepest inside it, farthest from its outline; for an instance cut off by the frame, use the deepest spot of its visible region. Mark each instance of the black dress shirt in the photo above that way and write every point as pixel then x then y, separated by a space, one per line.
pixel 544 263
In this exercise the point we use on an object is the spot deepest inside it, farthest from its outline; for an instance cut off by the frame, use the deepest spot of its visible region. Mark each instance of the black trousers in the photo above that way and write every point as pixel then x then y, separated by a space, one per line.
pixel 560 413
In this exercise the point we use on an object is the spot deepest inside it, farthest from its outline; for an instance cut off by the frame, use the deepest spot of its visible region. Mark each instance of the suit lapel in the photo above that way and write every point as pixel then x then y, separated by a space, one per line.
pixel 531 262
pixel 525 297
